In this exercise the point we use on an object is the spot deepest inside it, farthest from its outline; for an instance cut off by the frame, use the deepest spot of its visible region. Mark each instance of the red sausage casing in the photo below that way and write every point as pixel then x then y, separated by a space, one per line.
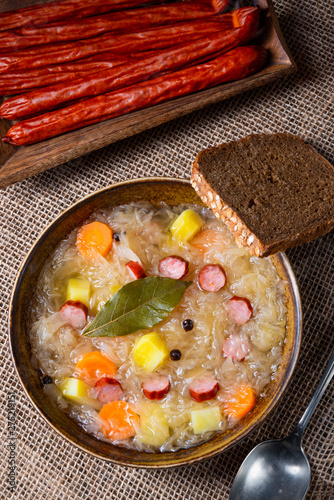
pixel 135 69
pixel 119 75
pixel 124 21
pixel 135 270
pixel 234 65
pixel 108 390
pixel 239 310
pixel 31 79
pixel 173 267
pixel 212 278
pixel 64 9
pixel 203 388
pixel 75 313
pixel 111 43
pixel 156 387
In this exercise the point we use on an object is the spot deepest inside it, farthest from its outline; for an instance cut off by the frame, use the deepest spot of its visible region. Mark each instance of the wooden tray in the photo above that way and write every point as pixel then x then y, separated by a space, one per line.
pixel 17 163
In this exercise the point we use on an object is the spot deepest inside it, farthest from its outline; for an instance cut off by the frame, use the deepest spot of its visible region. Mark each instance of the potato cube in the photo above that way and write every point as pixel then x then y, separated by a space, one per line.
pixel 150 351
pixel 186 225
pixel 76 390
pixel 205 420
pixel 79 289
pixel 154 429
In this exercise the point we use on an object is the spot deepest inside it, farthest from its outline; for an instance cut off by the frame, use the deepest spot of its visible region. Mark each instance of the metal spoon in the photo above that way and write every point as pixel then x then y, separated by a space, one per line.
pixel 279 469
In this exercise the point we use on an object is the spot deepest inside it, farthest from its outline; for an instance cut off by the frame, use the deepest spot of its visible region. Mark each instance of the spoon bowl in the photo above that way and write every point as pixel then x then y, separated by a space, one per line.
pixel 279 469
pixel 279 466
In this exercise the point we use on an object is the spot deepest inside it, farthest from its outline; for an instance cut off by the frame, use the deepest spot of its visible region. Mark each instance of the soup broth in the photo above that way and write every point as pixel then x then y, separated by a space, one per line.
pixel 198 371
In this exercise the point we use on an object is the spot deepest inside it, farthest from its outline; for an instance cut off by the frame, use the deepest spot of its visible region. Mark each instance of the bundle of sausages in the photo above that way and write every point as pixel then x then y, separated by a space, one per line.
pixel 100 67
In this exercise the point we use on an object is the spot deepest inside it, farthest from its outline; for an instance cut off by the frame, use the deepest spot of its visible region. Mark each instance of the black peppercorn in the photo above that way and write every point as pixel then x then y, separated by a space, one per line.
pixel 47 380
pixel 116 237
pixel 187 325
pixel 175 354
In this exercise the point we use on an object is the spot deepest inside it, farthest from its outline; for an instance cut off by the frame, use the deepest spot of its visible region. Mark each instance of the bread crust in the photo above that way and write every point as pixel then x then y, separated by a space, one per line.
pixel 243 235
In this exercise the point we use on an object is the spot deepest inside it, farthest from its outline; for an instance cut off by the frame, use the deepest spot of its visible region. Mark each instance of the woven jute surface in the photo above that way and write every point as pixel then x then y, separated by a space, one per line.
pixel 47 466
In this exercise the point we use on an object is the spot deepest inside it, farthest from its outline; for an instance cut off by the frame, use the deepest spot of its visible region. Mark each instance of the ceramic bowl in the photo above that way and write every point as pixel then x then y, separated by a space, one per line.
pixel 153 190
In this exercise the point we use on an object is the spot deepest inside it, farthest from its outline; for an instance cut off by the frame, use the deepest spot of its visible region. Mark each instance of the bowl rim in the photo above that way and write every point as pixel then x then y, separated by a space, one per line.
pixel 281 257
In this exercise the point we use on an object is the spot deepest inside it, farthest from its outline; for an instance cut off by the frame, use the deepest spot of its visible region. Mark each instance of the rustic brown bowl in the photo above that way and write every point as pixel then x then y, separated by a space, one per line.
pixel 153 190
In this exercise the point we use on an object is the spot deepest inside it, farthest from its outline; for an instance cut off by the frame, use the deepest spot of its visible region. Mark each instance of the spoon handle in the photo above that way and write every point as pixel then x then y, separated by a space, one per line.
pixel 325 379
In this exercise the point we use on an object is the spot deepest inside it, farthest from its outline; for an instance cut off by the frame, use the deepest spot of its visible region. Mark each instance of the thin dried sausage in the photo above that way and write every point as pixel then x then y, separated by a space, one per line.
pixel 212 278
pixel 134 71
pixel 235 65
pixel 173 267
pixel 203 389
pixel 156 387
pixel 125 21
pixel 129 43
pixel 239 310
pixel 75 313
pixel 236 346
pixel 108 389
pixel 31 79
pixel 39 15
pixel 136 271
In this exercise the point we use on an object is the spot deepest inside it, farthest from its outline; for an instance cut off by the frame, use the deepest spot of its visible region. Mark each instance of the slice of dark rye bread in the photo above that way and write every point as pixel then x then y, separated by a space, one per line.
pixel 273 191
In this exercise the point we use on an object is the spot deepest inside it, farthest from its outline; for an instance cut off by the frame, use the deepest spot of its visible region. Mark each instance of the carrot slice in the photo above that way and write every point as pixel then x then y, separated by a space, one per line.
pixel 119 421
pixel 95 365
pixel 94 238
pixel 239 402
pixel 206 239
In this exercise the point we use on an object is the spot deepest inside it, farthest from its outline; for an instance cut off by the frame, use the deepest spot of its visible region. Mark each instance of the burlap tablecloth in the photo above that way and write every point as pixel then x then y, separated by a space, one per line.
pixel 47 466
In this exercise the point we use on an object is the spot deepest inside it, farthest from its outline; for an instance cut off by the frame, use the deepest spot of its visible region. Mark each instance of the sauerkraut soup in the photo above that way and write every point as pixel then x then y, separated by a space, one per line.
pixel 153 330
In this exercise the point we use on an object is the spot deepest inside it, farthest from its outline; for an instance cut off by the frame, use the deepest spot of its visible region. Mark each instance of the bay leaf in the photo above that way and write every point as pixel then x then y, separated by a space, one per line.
pixel 138 305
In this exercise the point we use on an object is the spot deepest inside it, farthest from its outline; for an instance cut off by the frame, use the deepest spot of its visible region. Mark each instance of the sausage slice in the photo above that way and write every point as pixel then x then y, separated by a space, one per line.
pixel 108 390
pixel 203 388
pixel 239 310
pixel 156 387
pixel 75 313
pixel 212 278
pixel 236 346
pixel 135 270
pixel 173 267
